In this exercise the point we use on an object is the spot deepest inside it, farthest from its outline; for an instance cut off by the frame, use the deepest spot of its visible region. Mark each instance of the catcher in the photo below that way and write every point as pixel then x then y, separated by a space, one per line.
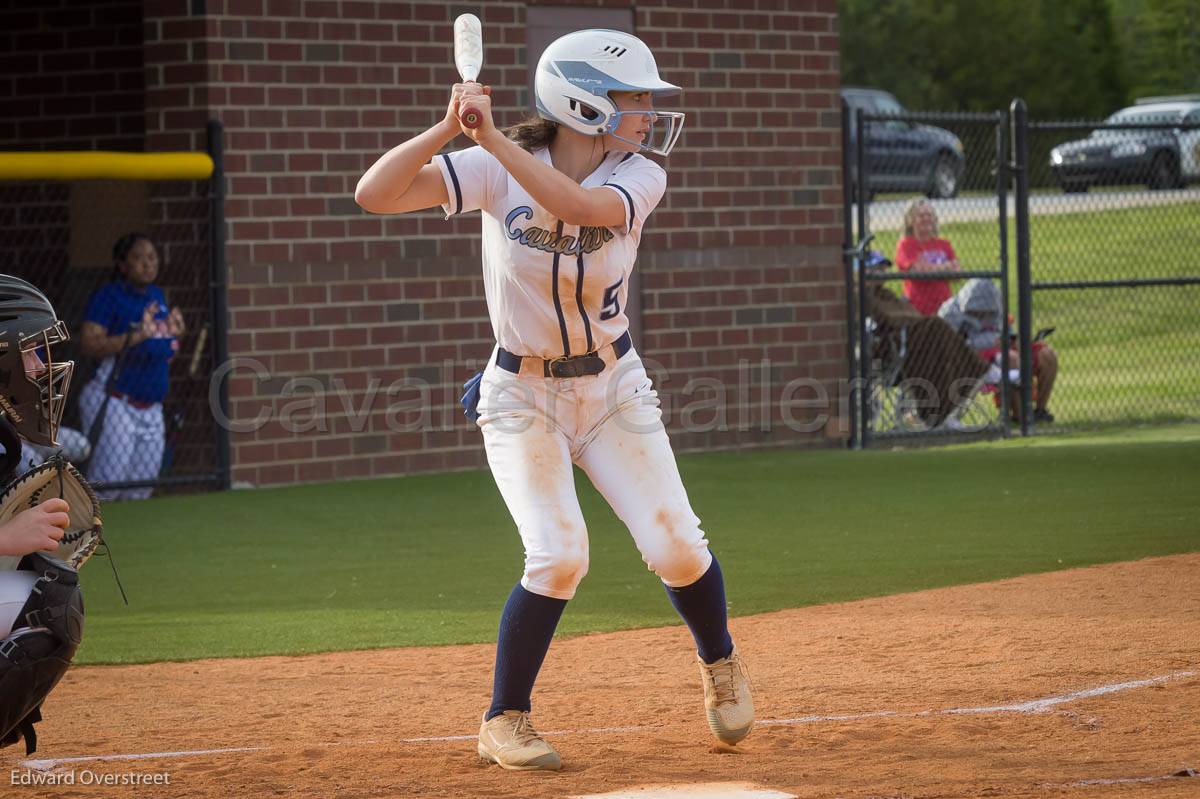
pixel 49 518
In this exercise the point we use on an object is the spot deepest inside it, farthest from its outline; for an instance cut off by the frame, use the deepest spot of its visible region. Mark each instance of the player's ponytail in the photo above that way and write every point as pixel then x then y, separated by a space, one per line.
pixel 532 133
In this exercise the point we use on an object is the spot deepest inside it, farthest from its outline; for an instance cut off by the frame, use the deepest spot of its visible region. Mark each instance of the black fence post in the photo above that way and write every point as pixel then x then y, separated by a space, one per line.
pixel 848 265
pixel 217 288
pixel 1003 179
pixel 1019 115
pixel 862 386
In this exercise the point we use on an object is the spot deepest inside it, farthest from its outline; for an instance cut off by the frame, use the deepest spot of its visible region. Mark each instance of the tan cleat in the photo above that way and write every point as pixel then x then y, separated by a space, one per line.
pixel 727 699
pixel 510 741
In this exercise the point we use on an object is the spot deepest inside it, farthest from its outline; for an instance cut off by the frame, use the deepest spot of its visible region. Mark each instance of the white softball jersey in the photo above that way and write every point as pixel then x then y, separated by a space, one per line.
pixel 552 289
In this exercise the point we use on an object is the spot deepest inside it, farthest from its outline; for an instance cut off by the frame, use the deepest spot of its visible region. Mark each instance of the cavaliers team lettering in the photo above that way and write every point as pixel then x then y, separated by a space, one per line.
pixel 590 238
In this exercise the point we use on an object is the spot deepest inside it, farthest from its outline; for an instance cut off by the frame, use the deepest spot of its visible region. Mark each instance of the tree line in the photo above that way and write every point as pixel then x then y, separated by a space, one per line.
pixel 1067 58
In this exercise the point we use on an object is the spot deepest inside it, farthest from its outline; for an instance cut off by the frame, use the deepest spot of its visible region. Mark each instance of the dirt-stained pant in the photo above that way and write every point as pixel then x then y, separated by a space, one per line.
pixel 535 428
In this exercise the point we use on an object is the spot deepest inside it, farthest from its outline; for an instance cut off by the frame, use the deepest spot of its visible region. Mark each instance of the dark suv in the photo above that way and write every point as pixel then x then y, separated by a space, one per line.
pixel 902 155
pixel 1161 157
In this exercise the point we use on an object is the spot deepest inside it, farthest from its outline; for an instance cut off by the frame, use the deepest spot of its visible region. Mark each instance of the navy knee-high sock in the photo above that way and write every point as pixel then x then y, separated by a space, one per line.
pixel 526 627
pixel 702 606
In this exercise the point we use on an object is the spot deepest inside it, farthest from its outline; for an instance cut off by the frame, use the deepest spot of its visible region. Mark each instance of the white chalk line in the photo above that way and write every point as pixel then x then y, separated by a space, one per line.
pixel 1030 706
pixel 49 763
pixel 593 731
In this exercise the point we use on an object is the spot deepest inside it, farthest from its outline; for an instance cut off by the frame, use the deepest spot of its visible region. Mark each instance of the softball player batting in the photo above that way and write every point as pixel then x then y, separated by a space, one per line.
pixel 564 197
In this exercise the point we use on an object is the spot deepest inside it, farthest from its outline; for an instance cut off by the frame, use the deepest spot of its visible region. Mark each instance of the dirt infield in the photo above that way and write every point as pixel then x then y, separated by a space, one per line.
pixel 931 694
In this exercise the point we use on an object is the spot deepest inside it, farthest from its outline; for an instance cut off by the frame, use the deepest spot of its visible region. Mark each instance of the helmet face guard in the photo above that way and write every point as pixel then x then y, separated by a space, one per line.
pixel 665 127
pixel 35 398
pixel 53 381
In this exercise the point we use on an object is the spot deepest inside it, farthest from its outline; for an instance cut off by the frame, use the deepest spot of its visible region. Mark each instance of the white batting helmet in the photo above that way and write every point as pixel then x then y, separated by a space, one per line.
pixel 576 73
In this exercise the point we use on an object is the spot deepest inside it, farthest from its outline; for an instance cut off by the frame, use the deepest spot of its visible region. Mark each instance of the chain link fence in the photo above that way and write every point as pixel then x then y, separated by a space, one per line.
pixel 139 417
pixel 1112 214
pixel 1114 218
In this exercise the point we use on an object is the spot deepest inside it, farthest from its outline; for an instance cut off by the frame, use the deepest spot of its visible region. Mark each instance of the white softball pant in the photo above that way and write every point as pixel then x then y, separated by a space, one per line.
pixel 15 588
pixel 130 445
pixel 610 425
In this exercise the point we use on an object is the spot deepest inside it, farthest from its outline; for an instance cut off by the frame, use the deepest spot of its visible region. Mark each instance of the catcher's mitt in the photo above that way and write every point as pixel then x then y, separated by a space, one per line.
pixel 57 478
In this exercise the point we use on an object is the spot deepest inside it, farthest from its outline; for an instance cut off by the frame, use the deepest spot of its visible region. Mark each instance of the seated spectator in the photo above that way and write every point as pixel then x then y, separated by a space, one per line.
pixel 939 370
pixel 127 326
pixel 920 250
pixel 975 313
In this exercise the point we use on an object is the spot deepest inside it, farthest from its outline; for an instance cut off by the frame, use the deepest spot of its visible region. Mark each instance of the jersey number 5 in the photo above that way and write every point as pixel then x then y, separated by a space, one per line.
pixel 612 304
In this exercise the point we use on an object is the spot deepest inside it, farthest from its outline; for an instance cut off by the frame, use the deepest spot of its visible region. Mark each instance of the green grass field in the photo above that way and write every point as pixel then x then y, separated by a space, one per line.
pixel 1126 355
pixel 430 559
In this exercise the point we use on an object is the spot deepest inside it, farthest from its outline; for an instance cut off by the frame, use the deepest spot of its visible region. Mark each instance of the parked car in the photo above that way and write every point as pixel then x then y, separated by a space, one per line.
pixel 1162 158
pixel 903 155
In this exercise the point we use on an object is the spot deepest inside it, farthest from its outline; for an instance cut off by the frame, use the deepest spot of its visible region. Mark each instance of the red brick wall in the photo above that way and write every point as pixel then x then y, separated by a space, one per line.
pixel 71 75
pixel 740 263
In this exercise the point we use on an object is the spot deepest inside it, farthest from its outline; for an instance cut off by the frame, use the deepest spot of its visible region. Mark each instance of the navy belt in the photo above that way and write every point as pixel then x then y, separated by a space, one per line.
pixel 568 366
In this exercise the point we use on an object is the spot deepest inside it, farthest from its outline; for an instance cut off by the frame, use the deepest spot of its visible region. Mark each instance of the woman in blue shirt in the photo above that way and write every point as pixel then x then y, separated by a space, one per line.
pixel 128 328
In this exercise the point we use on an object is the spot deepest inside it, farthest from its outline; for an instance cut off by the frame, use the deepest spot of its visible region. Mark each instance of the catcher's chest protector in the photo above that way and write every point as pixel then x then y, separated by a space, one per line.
pixel 36 655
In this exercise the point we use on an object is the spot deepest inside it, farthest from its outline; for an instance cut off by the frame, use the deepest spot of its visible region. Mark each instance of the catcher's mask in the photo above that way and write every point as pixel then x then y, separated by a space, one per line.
pixel 33 386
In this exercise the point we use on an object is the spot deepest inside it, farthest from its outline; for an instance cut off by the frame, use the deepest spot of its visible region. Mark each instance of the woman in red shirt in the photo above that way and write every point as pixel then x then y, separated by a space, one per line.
pixel 920 250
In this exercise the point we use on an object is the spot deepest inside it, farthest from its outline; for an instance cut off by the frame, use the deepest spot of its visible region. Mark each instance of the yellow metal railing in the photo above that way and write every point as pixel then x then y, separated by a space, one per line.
pixel 101 165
